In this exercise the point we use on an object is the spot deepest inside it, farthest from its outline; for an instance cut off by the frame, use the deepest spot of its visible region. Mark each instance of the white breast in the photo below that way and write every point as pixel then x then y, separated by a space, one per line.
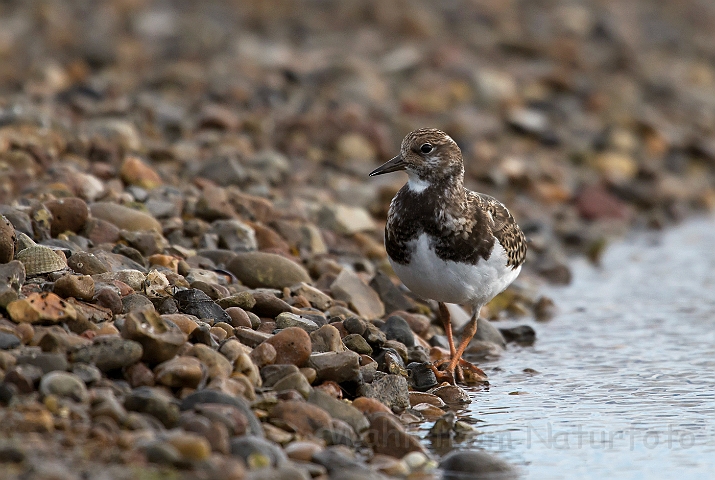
pixel 430 277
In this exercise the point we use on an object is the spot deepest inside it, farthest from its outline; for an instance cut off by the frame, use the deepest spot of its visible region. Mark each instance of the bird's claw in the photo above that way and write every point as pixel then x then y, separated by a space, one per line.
pixel 464 372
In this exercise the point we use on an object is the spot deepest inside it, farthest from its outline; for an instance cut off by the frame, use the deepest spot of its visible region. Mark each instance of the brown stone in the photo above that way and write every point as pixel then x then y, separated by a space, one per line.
pixel 292 346
pixel 388 437
pixel 136 172
pixel 180 372
pixel 68 215
pixel 80 287
pixel 303 418
pixel 43 307
pixel 369 405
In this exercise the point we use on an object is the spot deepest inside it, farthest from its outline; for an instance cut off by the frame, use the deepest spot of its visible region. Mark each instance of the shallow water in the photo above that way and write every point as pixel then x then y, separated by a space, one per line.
pixel 626 371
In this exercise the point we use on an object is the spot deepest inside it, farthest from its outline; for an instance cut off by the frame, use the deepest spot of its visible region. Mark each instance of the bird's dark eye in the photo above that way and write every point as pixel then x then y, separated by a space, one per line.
pixel 426 148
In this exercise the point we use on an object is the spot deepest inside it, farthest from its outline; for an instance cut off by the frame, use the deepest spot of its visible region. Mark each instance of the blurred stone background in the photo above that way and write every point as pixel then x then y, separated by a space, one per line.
pixel 585 117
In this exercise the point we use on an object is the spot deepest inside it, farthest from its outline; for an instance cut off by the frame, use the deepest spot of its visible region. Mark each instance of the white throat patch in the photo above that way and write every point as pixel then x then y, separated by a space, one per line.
pixel 416 184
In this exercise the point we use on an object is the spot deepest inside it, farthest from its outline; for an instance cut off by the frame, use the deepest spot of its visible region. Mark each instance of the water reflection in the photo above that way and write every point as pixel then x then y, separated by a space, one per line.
pixel 621 382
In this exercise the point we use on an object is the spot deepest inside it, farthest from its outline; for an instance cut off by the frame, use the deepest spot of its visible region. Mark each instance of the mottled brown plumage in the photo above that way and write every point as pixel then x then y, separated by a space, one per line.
pixel 445 242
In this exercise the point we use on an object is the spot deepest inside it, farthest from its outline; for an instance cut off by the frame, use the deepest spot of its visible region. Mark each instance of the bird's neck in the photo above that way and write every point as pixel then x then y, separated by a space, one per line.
pixel 445 188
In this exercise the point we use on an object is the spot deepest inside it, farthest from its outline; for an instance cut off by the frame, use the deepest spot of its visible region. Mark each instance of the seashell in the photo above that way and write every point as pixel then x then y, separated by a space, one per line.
pixel 39 259
pixel 23 241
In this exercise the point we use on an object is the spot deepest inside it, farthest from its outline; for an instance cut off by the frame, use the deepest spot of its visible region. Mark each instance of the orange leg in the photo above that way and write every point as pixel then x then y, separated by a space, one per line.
pixel 467 335
pixel 447 324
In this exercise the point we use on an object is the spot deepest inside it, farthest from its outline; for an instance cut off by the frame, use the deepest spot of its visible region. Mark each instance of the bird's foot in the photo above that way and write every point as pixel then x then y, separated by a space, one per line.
pixel 462 372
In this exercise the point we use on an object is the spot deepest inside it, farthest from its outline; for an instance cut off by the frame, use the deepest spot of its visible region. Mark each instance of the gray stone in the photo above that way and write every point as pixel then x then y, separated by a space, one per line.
pixel 8 341
pixel 340 410
pixel 336 366
pixel 272 374
pixel 288 319
pixel 245 446
pixel 475 464
pixel 234 235
pixel 349 288
pixel 326 339
pixel 392 390
pixel 267 270
pixel 489 333
pixel 357 344
pixel 295 381
pixel 212 396
pixel 243 300
pixel 155 402
pixel 108 353
pixel 397 328
pixel 135 302
pixel 390 294
pixel 63 384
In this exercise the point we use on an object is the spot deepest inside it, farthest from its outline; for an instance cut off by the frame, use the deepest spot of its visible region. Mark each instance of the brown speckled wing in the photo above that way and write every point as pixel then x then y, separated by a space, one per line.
pixel 503 227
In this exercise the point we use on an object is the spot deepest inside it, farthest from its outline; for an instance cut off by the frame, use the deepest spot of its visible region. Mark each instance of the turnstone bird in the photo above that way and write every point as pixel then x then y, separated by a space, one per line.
pixel 447 243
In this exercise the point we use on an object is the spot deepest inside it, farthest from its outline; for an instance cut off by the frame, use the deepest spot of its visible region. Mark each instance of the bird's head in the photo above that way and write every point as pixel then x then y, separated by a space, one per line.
pixel 427 155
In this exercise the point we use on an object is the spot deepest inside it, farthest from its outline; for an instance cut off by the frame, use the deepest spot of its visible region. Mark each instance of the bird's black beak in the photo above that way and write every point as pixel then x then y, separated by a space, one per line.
pixel 394 165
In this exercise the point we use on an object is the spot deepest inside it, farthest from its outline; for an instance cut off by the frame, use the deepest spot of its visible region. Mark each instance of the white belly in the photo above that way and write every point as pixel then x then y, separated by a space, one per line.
pixel 430 277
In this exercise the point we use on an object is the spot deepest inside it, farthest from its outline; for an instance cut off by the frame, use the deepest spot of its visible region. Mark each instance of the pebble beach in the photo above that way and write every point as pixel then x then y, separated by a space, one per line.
pixel 193 282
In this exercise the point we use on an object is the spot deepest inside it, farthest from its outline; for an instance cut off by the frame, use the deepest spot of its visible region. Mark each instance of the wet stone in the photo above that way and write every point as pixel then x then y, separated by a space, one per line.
pixel 451 394
pixel 421 376
pixel 489 333
pixel 458 463
pixel 523 334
